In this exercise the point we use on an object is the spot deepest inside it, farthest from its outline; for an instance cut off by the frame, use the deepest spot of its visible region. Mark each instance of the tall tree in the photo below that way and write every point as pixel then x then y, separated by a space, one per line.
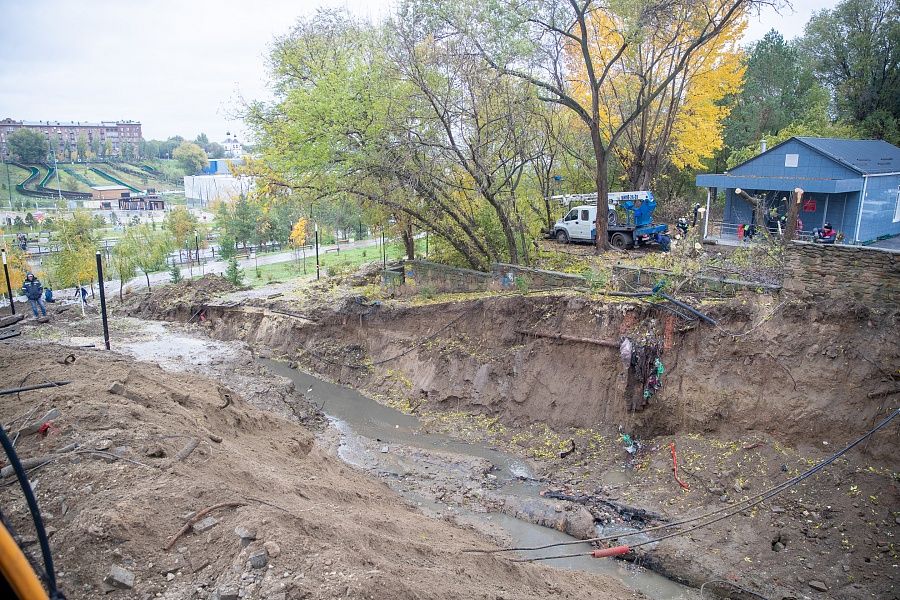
pixel 561 38
pixel 27 145
pixel 182 226
pixel 191 157
pixel 154 248
pixel 855 51
pixel 776 90
pixel 81 145
pixel 124 261
pixel 75 263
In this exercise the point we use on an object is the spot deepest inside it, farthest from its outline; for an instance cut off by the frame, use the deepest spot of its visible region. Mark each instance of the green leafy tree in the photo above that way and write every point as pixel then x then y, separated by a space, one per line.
pixel 27 145
pixel 81 145
pixel 215 150
pixel 182 226
pixel 124 261
pixel 107 149
pixel 234 274
pixel 175 273
pixel 226 247
pixel 190 157
pixel 155 247
pixel 245 215
pixel 814 121
pixel 855 51
pixel 128 151
pixel 202 141
pixel 75 264
pixel 776 87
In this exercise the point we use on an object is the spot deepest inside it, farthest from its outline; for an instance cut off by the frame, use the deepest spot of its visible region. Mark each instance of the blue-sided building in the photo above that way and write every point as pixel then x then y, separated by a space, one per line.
pixel 852 184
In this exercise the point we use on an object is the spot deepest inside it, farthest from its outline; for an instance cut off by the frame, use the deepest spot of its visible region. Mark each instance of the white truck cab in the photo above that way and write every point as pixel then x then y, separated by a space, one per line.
pixel 578 223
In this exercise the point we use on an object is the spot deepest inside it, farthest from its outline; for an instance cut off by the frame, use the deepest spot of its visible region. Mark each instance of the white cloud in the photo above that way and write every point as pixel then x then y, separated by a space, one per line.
pixel 178 66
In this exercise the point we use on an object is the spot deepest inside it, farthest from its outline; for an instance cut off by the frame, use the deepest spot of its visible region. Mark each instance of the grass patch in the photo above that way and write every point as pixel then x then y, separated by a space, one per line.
pixel 332 263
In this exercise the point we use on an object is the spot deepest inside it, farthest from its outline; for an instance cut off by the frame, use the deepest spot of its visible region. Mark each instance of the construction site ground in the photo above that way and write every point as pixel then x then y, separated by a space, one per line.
pixel 776 387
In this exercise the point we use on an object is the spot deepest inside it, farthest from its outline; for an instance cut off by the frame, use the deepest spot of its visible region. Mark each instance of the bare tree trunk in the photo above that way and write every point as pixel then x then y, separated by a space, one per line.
pixel 409 242
pixel 601 179
pixel 147 275
pixel 793 210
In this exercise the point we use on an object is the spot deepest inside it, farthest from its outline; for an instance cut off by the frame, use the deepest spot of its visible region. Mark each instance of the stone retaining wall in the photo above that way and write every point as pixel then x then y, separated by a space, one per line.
pixel 868 275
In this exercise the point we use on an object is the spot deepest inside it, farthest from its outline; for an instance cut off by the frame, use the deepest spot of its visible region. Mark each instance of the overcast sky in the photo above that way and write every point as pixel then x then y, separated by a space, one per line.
pixel 177 66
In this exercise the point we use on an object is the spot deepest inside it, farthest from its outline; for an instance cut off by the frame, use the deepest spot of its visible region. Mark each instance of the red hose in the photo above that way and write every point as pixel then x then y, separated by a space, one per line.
pixel 607 552
pixel 675 467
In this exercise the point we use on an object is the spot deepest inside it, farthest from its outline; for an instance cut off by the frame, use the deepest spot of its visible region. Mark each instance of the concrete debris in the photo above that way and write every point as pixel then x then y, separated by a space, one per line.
pixel 272 549
pixel 205 524
pixel 246 535
pixel 259 559
pixel 119 577
pixel 34 427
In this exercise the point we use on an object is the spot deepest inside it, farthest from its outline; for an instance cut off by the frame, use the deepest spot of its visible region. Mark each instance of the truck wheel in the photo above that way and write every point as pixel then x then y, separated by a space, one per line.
pixel 562 237
pixel 619 240
pixel 612 218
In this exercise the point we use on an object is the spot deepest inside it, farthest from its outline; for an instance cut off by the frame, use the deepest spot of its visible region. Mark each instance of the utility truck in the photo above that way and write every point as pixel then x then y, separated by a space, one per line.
pixel 579 222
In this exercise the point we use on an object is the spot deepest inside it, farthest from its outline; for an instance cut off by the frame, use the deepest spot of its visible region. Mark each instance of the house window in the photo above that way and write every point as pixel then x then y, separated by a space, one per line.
pixel 791 160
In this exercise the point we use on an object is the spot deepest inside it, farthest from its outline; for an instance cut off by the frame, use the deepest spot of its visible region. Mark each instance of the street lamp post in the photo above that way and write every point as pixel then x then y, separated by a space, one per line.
pixel 8 184
pixel 12 305
pixel 102 299
pixel 317 250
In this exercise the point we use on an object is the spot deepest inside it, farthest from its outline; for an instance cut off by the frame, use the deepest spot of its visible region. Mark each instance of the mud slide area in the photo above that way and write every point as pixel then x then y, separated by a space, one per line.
pixel 209 477
pixel 775 387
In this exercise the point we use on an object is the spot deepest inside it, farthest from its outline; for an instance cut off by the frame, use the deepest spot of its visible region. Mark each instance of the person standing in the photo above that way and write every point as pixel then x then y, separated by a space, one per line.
pixel 34 291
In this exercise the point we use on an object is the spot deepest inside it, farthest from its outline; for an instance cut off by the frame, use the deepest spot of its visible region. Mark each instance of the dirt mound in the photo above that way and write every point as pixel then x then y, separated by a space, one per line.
pixel 154 448
pixel 171 302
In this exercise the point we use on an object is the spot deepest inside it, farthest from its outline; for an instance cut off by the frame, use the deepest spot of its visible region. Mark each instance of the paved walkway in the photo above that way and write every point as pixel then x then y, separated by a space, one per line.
pixel 213 267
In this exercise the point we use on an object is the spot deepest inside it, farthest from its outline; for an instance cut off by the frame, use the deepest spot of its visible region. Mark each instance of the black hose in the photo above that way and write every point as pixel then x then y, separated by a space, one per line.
pixel 44 542
pixel 38 386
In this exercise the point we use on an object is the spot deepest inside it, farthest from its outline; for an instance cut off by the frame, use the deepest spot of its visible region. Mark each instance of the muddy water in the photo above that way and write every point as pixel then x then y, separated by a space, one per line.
pixel 362 421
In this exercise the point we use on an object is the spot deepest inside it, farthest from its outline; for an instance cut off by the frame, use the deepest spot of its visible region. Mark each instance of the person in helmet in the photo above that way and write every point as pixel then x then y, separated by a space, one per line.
pixel 34 291
pixel 825 235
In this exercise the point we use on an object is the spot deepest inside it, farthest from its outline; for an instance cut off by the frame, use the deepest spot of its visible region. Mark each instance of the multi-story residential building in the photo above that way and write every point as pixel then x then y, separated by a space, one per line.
pixel 60 134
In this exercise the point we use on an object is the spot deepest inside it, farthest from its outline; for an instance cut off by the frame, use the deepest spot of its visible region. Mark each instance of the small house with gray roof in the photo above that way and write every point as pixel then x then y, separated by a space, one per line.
pixel 852 184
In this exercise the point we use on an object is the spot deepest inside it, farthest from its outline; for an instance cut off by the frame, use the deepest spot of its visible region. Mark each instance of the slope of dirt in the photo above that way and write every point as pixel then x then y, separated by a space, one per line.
pixel 793 371
pixel 169 300
pixel 322 529
pixel 774 388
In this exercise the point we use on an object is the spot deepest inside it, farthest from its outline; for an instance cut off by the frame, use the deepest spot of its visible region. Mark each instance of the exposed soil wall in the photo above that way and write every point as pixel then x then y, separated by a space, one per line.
pixel 795 371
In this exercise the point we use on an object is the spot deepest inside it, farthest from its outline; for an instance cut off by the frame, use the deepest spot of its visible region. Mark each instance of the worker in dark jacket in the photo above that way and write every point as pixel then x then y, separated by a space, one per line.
pixel 826 235
pixel 34 291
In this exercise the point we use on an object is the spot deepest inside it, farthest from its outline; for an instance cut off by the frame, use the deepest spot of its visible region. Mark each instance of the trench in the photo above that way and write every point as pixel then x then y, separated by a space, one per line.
pixel 362 421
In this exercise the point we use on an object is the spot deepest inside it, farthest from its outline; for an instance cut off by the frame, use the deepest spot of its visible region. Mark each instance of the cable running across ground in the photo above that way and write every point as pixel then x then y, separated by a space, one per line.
pixel 728 511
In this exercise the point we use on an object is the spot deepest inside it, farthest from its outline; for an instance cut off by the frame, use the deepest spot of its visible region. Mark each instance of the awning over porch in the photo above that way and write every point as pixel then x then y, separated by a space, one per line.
pixel 724 181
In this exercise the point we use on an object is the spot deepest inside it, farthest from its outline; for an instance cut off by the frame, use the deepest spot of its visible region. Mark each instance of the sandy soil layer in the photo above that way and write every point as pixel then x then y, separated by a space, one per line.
pixel 302 524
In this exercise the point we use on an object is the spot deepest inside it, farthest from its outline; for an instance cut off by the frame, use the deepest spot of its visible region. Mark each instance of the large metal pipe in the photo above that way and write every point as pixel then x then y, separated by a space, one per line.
pixel 688 308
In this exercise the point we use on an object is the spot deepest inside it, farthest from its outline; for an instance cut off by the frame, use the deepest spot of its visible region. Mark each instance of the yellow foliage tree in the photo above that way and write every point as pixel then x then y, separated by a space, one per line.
pixel 683 124
pixel 300 233
pixel 18 266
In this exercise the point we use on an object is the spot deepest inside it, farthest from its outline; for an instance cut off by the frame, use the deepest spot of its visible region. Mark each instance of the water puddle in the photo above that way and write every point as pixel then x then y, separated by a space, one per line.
pixel 384 440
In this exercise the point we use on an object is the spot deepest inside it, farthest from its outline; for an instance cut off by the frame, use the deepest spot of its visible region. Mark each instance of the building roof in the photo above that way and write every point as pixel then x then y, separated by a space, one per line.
pixel 70 123
pixel 864 156
pixel 106 188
